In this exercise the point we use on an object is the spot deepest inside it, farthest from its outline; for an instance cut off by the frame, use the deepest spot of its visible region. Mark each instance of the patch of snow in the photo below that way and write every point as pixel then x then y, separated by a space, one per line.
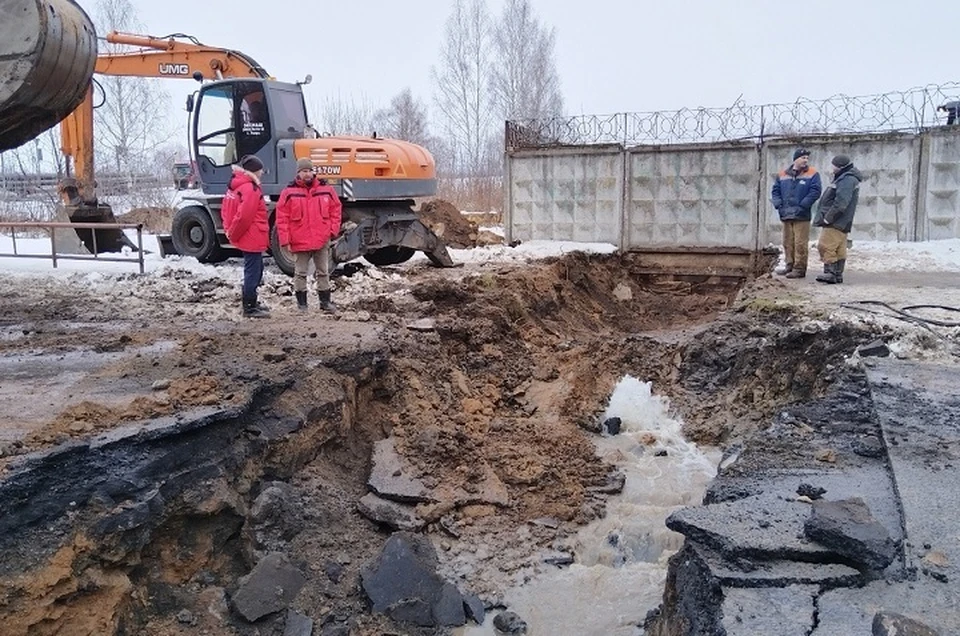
pixel 891 256
pixel 493 229
pixel 927 256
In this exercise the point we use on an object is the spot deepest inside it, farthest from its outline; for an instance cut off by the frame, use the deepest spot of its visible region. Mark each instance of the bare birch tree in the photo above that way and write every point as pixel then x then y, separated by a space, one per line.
pixel 131 120
pixel 56 156
pixel 461 85
pixel 340 115
pixel 405 118
pixel 524 80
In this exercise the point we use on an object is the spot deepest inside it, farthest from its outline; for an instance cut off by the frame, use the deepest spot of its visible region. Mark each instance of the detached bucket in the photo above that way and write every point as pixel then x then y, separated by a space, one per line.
pixel 88 241
pixel 48 49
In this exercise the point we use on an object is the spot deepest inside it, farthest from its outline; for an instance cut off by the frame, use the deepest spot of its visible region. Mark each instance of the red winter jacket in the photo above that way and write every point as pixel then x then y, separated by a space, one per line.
pixel 244 213
pixel 307 216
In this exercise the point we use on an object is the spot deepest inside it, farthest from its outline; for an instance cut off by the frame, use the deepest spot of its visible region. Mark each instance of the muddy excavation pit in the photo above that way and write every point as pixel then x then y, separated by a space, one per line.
pixel 194 474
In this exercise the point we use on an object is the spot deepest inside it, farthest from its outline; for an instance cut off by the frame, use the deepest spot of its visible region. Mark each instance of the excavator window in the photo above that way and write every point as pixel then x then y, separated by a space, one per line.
pixel 289 113
pixel 216 134
pixel 232 121
pixel 254 123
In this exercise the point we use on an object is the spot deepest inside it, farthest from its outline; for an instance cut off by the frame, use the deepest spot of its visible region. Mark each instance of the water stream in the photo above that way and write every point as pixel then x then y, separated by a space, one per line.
pixel 621 559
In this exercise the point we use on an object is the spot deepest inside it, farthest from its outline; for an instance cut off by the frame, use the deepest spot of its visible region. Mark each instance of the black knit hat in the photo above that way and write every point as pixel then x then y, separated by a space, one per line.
pixel 251 164
pixel 841 161
pixel 800 152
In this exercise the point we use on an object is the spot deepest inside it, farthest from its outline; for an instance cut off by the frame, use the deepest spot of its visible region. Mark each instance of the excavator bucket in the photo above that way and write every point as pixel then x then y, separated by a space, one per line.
pixel 87 241
pixel 389 237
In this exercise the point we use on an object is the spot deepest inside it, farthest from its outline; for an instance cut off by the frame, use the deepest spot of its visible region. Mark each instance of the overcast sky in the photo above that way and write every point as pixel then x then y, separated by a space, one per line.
pixel 612 55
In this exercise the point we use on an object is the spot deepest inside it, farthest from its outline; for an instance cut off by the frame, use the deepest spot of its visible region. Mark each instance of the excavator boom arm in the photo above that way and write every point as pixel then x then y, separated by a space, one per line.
pixel 170 57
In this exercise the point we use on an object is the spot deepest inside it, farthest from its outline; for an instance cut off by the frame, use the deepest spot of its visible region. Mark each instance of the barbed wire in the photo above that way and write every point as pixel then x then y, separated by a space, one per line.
pixel 902 111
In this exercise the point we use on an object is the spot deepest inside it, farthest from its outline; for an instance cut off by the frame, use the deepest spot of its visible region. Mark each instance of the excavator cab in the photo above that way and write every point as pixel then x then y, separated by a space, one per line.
pixel 230 119
pixel 234 118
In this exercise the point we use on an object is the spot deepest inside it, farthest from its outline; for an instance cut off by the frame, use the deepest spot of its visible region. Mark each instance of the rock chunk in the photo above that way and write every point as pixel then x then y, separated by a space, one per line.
pixel 848 528
pixel 269 588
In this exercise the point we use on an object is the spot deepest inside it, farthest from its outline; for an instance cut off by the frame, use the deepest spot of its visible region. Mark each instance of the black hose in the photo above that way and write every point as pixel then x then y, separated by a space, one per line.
pixel 103 93
pixel 939 323
pixel 904 314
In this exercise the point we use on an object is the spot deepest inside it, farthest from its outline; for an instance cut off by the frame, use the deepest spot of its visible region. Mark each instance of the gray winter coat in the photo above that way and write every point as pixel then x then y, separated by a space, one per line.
pixel 839 202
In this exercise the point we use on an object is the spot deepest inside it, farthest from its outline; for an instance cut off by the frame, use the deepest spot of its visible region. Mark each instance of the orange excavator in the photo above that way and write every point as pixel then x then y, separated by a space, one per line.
pixel 239 109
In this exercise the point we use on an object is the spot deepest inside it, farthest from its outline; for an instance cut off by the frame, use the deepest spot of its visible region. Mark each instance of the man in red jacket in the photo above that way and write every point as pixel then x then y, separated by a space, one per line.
pixel 244 216
pixel 308 218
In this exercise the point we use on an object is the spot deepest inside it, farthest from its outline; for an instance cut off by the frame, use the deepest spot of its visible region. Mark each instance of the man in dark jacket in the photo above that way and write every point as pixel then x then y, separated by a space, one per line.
pixel 795 191
pixel 836 218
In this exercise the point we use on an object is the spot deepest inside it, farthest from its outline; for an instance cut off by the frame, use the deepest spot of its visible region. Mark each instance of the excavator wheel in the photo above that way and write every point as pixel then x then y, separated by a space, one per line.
pixel 390 255
pixel 281 257
pixel 194 234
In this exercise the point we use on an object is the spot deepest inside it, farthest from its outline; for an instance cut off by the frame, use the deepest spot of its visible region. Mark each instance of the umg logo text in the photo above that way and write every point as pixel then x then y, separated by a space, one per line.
pixel 174 69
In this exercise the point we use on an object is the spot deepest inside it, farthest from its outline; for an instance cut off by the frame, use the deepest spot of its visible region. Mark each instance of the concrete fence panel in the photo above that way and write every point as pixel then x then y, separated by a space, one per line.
pixel 888 195
pixel 692 197
pixel 565 195
pixel 940 186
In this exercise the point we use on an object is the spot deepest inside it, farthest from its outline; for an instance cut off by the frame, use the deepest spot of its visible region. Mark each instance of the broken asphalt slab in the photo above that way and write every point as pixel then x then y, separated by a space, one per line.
pixel 787 611
pixel 764 526
pixel 392 477
pixel 779 573
pixel 911 412
pixel 402 583
pixel 270 587
pixel 919 407
pixel 848 528
pixel 853 610
pixel 393 514
pixel 919 412
pixel 891 624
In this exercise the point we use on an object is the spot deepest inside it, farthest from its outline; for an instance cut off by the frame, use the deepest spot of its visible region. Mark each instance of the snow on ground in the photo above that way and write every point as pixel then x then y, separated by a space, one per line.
pixel 525 252
pixel 863 256
pixel 213 290
pixel 899 274
pixel 928 256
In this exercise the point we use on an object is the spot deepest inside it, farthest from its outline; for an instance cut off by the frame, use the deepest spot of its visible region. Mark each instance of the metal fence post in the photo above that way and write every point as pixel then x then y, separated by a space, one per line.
pixel 140 245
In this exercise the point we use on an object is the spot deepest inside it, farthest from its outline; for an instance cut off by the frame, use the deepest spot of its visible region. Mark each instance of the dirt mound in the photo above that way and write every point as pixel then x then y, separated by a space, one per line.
pixel 155 220
pixel 449 224
pixel 88 417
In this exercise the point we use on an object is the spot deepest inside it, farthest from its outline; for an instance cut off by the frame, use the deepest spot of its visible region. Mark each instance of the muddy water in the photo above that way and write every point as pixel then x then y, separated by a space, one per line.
pixel 621 560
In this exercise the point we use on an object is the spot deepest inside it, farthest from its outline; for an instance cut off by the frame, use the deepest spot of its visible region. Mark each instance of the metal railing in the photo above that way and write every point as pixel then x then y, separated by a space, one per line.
pixel 913 111
pixel 94 255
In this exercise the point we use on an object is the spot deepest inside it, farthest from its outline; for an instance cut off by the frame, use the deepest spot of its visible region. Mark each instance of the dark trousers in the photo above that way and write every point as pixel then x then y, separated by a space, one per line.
pixel 252 274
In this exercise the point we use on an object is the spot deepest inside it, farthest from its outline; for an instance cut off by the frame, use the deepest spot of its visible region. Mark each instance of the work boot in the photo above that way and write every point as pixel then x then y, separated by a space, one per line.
pixel 838 270
pixel 784 269
pixel 252 309
pixel 301 300
pixel 796 273
pixel 325 303
pixel 829 275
